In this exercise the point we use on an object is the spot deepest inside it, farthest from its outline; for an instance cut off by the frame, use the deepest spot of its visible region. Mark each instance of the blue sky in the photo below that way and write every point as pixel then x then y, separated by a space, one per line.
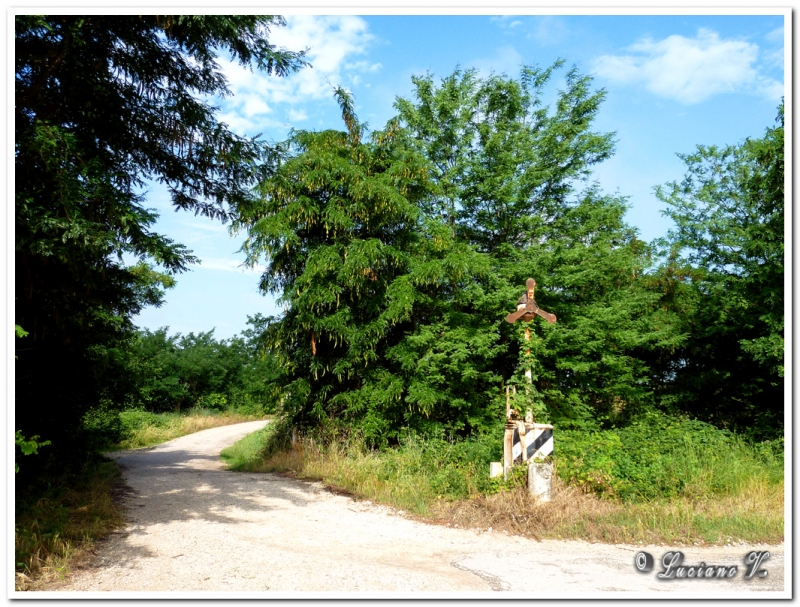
pixel 672 82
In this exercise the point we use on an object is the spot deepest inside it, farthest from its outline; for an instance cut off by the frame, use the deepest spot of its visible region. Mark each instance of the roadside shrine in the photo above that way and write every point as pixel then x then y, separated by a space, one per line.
pixel 525 441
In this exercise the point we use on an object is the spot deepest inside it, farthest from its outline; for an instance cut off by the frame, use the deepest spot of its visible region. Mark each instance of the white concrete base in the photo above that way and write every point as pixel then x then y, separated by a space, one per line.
pixel 540 481
pixel 495 469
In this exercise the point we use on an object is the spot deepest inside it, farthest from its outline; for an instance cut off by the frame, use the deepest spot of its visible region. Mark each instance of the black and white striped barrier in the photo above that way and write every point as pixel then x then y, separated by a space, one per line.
pixel 531 442
pixel 528 443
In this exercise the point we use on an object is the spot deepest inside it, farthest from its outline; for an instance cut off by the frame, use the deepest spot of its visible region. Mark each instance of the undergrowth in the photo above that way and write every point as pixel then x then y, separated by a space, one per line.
pixel 55 527
pixel 661 480
pixel 145 429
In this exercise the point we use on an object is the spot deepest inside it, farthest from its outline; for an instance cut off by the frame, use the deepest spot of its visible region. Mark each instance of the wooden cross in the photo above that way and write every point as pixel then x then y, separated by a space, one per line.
pixel 527 308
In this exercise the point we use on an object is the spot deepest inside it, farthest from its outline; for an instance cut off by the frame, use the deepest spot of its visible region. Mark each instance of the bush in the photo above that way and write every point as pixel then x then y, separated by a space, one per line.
pixel 658 456
pixel 135 420
pixel 434 466
pixel 103 427
pixel 214 401
pixel 246 404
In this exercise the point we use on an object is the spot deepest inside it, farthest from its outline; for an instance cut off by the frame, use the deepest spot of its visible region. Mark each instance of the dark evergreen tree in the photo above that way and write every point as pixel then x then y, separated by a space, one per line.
pixel 102 104
pixel 355 262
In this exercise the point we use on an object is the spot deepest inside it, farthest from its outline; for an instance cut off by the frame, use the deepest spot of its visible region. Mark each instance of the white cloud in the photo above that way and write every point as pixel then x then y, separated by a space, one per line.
pixel 254 105
pixel 238 123
pixel 690 70
pixel 333 43
pixel 228 265
pixel 506 21
pixel 209 226
pixel 775 36
pixel 549 30
pixel 363 66
pixel 297 115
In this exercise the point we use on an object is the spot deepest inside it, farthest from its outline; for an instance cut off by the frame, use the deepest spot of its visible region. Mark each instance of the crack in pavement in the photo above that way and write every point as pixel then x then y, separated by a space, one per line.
pixel 495 583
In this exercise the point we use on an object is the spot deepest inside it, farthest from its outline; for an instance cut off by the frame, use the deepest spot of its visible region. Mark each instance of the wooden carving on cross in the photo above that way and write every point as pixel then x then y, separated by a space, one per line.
pixel 527 308
pixel 525 440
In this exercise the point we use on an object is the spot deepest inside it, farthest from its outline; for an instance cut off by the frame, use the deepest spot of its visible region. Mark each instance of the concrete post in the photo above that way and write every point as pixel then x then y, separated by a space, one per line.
pixel 508 445
pixel 540 481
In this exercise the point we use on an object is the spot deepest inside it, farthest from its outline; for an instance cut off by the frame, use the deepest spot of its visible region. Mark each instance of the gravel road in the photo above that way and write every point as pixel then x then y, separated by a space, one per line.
pixel 195 527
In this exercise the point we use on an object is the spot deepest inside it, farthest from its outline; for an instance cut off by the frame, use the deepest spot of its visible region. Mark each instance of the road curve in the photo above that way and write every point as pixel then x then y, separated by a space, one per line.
pixel 195 527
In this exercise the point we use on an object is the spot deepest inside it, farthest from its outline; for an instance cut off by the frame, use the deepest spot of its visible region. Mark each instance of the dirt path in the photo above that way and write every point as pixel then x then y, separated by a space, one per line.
pixel 195 527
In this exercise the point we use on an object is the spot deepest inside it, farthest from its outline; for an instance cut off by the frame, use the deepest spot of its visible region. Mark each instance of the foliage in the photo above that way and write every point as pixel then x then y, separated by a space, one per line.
pixel 19 331
pixel 504 166
pixel 27 446
pixel 103 104
pixel 507 172
pixel 359 267
pixel 398 257
pixel 173 372
pixel 659 456
pixel 103 426
pixel 56 527
pixel 724 267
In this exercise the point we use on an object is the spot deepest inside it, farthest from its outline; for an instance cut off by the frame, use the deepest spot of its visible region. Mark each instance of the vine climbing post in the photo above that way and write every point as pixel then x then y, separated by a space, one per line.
pixel 526 441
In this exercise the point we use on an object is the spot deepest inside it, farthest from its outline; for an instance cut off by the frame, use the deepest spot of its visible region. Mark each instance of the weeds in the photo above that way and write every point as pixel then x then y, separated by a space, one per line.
pixel 144 429
pixel 709 487
pixel 754 516
pixel 56 528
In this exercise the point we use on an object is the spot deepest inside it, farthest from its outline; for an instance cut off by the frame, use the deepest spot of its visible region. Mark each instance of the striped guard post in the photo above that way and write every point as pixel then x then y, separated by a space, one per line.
pixel 537 440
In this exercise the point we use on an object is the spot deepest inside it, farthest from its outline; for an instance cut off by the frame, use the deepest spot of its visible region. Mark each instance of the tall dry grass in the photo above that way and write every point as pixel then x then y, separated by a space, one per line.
pixel 753 514
pixel 55 532
pixel 147 429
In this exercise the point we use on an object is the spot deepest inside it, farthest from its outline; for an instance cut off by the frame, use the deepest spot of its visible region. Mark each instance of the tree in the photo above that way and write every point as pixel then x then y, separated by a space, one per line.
pixel 399 257
pixel 504 165
pixel 507 173
pixel 338 226
pixel 724 264
pixel 176 372
pixel 103 104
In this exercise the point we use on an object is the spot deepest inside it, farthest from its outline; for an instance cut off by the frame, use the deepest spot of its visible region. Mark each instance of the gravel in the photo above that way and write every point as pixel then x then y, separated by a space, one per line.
pixel 195 527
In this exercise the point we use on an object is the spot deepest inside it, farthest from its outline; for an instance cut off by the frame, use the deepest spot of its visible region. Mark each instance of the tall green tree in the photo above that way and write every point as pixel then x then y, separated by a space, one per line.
pixel 175 372
pixel 503 163
pixel 398 258
pixel 102 105
pixel 725 269
pixel 511 176
pixel 349 253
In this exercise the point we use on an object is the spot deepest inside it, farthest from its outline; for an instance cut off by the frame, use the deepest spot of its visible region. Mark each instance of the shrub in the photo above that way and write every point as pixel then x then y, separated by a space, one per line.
pixel 659 456
pixel 214 401
pixel 103 427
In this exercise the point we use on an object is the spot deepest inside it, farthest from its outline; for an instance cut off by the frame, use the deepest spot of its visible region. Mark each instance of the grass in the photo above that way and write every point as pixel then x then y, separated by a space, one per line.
pixel 245 453
pixel 753 517
pixel 55 530
pixel 144 429
pixel 717 506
